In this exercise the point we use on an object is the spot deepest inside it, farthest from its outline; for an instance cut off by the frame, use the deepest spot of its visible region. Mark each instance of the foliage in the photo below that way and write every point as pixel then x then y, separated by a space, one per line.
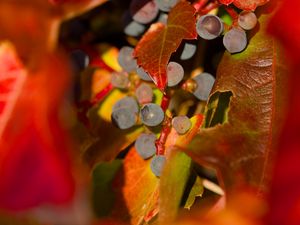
pixel 59 143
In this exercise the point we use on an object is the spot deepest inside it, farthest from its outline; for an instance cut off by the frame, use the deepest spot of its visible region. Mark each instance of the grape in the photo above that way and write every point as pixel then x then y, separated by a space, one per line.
pixel 143 11
pixel 205 82
pixel 119 79
pixel 131 27
pixel 235 40
pixel 123 118
pixel 209 27
pixel 126 60
pixel 188 51
pixel 175 73
pixel 145 145
pixel 152 114
pixel 142 74
pixel 127 102
pixel 247 20
pixel 181 124
pixel 79 60
pixel 144 93
pixel 166 5
pixel 163 18
pixel 157 164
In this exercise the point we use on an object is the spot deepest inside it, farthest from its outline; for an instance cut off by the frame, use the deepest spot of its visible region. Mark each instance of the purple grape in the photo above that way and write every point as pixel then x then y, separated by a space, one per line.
pixel 181 124
pixel 123 118
pixel 175 73
pixel 144 93
pixel 166 5
pixel 143 11
pixel 205 82
pixel 142 74
pixel 152 114
pixel 127 102
pixel 126 59
pixel 157 164
pixel 235 40
pixel 131 27
pixel 119 79
pixel 188 51
pixel 247 20
pixel 209 27
pixel 145 145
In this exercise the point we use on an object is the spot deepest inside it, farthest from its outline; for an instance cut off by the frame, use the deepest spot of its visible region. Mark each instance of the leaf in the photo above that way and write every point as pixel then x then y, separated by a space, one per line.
pixel 249 4
pixel 284 196
pixel 196 191
pixel 136 191
pixel 102 198
pixel 35 30
pixel 233 213
pixel 176 172
pixel 241 147
pixel 155 48
pixel 226 2
pixel 34 156
pixel 245 4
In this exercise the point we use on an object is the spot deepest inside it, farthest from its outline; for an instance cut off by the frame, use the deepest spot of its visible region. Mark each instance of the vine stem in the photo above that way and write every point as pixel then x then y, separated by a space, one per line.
pixel 165 102
pixel 209 7
pixel 233 14
pixel 161 141
pixel 198 5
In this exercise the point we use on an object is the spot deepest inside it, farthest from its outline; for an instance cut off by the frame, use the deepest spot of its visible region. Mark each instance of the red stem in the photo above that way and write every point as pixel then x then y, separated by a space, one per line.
pixel 84 106
pixel 98 62
pixel 161 141
pixel 165 102
pixel 199 5
pixel 209 7
pixel 102 94
pixel 234 15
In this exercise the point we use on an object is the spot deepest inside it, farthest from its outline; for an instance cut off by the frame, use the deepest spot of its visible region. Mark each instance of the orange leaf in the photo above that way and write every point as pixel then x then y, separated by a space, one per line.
pixel 136 190
pixel 155 48
pixel 245 4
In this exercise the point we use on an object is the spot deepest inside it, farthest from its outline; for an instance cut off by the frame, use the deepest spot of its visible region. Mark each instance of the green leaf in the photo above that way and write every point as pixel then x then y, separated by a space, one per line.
pixel 177 172
pixel 172 184
pixel 196 191
pixel 102 197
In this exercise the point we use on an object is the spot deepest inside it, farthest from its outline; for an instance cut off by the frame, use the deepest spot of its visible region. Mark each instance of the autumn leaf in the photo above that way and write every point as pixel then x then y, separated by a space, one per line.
pixel 284 196
pixel 136 191
pixel 176 172
pixel 35 30
pixel 245 4
pixel 240 135
pixel 155 48
pixel 35 148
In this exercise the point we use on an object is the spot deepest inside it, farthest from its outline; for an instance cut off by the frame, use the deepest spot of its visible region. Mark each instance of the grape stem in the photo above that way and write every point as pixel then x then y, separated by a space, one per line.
pixel 161 141
pixel 84 106
pixel 98 62
pixel 198 5
pixel 233 14
pixel 165 102
pixel 209 7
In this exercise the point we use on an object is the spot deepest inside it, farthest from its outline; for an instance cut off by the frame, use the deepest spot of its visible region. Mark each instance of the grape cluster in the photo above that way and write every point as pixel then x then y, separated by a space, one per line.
pixel 140 107
pixel 235 39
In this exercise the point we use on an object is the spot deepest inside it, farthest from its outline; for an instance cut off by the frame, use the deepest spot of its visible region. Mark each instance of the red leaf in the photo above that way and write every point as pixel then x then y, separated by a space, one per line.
pixel 245 4
pixel 33 147
pixel 285 190
pixel 249 4
pixel 155 48
pixel 226 2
